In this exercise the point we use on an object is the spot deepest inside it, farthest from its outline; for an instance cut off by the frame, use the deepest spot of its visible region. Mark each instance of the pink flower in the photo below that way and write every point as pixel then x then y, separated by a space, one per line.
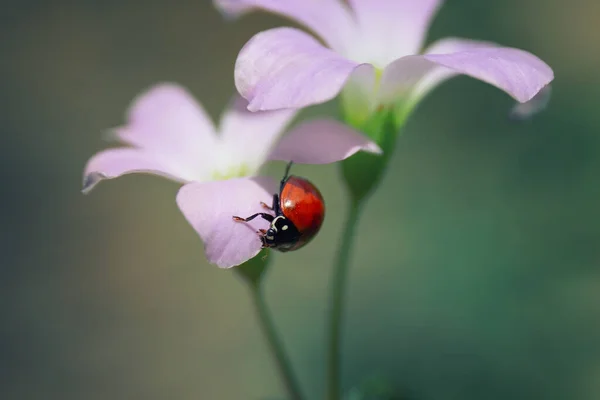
pixel 169 134
pixel 371 51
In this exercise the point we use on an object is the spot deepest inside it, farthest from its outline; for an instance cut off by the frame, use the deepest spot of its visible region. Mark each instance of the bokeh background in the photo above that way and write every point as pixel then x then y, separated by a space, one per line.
pixel 476 274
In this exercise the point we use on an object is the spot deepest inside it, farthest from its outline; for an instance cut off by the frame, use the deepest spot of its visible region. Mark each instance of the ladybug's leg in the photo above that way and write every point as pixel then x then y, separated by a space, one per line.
pixel 275 206
pixel 266 216
pixel 265 205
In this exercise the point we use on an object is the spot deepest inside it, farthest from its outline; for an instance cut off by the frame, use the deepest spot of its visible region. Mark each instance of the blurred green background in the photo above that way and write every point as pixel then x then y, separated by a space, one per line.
pixel 476 274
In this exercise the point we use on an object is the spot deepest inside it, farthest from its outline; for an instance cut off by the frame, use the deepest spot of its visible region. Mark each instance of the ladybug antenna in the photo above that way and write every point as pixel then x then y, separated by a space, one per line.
pixel 285 176
pixel 287 170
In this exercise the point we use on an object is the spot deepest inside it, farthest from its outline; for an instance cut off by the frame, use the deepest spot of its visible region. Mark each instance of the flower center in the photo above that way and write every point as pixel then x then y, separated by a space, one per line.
pixel 233 171
pixel 359 98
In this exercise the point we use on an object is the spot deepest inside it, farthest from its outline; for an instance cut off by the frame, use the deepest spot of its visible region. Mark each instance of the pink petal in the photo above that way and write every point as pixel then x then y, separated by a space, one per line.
pixel 519 73
pixel 417 76
pixel 209 208
pixel 248 137
pixel 287 68
pixel 321 142
pixel 168 122
pixel 393 28
pixel 113 163
pixel 438 74
pixel 402 78
pixel 329 19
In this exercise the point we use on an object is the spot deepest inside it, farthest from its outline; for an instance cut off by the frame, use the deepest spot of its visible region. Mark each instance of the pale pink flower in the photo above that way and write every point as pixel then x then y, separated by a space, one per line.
pixel 169 134
pixel 373 49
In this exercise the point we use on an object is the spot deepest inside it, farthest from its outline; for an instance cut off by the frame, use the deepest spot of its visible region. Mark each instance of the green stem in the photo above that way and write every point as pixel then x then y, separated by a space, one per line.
pixel 340 273
pixel 281 358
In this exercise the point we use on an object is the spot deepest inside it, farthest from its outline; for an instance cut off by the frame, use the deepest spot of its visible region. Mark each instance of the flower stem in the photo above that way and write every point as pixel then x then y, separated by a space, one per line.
pixel 281 358
pixel 340 273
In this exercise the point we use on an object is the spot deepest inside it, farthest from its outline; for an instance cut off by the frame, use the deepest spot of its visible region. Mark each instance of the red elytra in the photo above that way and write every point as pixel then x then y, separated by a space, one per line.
pixel 299 211
pixel 302 204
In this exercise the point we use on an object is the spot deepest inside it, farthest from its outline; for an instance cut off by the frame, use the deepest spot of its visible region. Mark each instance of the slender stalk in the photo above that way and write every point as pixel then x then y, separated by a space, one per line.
pixel 281 358
pixel 340 273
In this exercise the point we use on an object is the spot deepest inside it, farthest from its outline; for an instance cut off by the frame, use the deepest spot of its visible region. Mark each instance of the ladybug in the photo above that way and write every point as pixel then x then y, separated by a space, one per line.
pixel 299 211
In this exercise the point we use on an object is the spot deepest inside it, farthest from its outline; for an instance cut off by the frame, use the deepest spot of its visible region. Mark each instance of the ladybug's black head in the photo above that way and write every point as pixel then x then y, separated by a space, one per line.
pixel 282 234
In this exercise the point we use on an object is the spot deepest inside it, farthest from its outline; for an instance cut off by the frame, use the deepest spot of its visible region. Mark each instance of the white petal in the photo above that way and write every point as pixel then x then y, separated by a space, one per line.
pixel 249 137
pixel 287 68
pixel 112 163
pixel 167 122
pixel 519 73
pixel 330 19
pixel 390 29
pixel 322 142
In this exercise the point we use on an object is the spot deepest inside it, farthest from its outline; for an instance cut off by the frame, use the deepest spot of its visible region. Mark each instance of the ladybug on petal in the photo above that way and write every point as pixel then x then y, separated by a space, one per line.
pixel 299 211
